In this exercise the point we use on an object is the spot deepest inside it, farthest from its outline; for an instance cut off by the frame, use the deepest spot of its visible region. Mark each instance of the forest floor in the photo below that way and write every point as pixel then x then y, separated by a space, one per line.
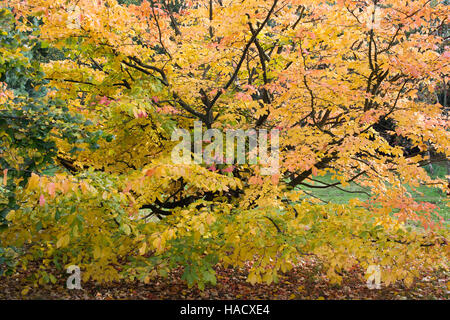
pixel 302 282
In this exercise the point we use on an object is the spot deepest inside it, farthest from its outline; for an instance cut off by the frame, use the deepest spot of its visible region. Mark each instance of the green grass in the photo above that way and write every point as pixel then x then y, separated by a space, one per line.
pixel 425 194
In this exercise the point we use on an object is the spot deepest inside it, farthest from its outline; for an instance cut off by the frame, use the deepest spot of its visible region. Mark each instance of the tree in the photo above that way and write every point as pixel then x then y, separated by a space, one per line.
pixel 29 118
pixel 323 74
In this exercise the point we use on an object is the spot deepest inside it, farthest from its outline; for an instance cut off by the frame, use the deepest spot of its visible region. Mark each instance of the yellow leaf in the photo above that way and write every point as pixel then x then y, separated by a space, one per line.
pixel 63 241
pixel 157 244
pixel 97 252
pixel 25 291
pixel 268 278
pixel 210 219
pixel 33 182
pixel 252 278
pixel 10 215
pixel 127 229
pixel 143 248
pixel 84 187
pixel 409 280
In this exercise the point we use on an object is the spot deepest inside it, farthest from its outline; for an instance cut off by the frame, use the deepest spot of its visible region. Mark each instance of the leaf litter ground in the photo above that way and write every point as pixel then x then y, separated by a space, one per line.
pixel 302 282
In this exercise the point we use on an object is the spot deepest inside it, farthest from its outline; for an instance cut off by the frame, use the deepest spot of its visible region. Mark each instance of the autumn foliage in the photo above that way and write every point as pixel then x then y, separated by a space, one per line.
pixel 324 74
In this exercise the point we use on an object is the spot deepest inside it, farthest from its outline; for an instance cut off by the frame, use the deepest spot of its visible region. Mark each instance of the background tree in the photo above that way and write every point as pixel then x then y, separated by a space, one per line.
pixel 29 118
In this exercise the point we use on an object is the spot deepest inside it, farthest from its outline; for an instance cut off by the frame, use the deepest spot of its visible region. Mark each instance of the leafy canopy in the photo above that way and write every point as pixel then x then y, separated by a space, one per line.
pixel 30 118
pixel 325 74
